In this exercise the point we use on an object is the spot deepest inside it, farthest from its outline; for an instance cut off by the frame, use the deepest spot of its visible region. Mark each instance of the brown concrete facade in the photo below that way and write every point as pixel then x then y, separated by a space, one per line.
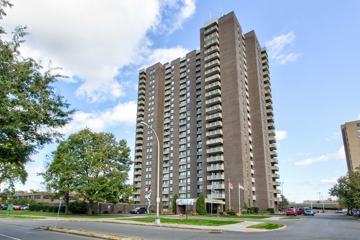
pixel 351 137
pixel 203 115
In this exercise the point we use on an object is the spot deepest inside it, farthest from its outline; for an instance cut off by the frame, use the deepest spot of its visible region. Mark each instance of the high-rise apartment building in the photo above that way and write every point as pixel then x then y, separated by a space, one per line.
pixel 351 138
pixel 212 112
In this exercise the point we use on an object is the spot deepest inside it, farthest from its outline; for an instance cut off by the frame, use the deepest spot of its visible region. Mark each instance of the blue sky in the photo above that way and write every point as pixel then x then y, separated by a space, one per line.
pixel 314 64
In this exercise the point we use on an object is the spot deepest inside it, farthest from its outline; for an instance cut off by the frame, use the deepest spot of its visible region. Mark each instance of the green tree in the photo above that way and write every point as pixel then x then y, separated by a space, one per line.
pixel 30 109
pixel 347 190
pixel 173 203
pixel 94 165
pixel 200 205
pixel 284 204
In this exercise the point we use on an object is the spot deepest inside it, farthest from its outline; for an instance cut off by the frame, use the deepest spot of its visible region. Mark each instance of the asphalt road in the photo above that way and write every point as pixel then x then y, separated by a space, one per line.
pixel 320 227
pixel 27 230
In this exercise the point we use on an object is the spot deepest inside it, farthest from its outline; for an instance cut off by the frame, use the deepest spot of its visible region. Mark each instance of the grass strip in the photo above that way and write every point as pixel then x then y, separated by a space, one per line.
pixel 267 226
pixel 290 218
pixel 197 222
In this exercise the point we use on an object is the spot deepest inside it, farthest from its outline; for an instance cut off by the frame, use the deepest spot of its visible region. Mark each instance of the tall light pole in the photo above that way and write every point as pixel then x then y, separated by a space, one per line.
pixel 157 220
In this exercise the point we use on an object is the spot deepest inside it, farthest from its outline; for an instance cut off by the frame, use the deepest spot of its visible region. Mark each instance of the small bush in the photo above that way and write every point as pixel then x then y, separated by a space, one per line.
pixel 231 212
pixel 78 207
pixel 253 210
pixel 270 210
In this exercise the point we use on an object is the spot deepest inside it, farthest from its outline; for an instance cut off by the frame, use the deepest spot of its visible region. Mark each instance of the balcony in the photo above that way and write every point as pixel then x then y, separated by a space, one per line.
pixel 137 179
pixel 212 49
pixel 275 168
pixel 211 64
pixel 213 109
pixel 214 125
pixel 136 199
pixel 213 101
pixel 138 148
pixel 215 150
pixel 138 154
pixel 211 29
pixel 273 154
pixel 216 186
pixel 214 133
pixel 138 172
pixel 212 78
pixel 212 117
pixel 214 195
pixel 141 92
pixel 276 176
pixel 215 55
pixel 213 93
pixel 211 36
pixel 272 147
pixel 137 185
pixel 212 86
pixel 215 177
pixel 215 141
pixel 274 160
pixel 139 142
pixel 218 158
pixel 215 167
pixel 213 41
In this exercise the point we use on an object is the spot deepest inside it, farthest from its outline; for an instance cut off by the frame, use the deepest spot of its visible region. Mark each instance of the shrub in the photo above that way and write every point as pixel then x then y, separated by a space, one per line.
pixel 78 207
pixel 253 210
pixel 200 205
pixel 270 210
pixel 231 212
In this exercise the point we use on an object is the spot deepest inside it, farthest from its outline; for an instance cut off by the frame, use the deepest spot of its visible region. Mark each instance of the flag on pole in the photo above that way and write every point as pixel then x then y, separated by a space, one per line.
pixel 241 187
pixel 148 190
pixel 231 187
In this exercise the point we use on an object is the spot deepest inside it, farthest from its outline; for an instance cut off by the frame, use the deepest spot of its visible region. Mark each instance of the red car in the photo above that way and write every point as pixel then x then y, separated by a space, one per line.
pixel 291 212
pixel 300 211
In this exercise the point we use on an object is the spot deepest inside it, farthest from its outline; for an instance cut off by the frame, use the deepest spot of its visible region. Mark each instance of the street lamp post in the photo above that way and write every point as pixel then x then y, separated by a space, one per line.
pixel 157 220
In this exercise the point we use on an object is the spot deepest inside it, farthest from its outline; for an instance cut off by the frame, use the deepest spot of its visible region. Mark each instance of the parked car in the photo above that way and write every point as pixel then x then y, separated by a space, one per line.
pixel 3 206
pixel 139 210
pixel 291 212
pixel 24 207
pixel 309 212
pixel 16 207
pixel 300 211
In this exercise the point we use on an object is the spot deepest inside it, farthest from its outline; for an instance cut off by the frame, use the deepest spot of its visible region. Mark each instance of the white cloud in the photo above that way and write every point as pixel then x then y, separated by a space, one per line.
pixel 124 113
pixel 330 181
pixel 164 55
pixel 279 48
pixel 338 155
pixel 176 12
pixel 91 39
pixel 281 135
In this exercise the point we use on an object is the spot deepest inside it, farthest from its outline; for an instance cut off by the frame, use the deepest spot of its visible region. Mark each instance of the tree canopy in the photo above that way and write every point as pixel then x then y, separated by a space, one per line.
pixel 30 109
pixel 94 165
pixel 347 189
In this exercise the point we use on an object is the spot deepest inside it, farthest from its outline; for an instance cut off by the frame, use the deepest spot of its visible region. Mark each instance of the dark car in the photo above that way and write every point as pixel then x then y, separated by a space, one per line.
pixel 3 206
pixel 139 210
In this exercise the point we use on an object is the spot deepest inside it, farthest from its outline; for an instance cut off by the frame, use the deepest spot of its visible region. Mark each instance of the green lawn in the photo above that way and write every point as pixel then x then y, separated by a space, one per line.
pixel 267 226
pixel 243 216
pixel 27 213
pixel 290 218
pixel 198 222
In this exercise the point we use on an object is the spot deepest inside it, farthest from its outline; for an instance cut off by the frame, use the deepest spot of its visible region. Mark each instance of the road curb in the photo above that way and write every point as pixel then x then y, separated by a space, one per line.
pixel 89 233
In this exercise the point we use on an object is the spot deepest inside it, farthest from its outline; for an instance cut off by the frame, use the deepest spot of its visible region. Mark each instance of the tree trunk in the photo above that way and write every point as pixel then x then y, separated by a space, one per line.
pixel 90 204
pixel 66 202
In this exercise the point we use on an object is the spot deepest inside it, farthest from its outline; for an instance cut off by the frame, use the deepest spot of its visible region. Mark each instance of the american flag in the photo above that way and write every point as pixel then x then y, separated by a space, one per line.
pixel 148 190
pixel 231 187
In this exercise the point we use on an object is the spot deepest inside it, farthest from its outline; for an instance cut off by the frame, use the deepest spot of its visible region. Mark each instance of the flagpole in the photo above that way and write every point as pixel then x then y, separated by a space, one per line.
pixel 229 194
pixel 239 199
pixel 211 199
